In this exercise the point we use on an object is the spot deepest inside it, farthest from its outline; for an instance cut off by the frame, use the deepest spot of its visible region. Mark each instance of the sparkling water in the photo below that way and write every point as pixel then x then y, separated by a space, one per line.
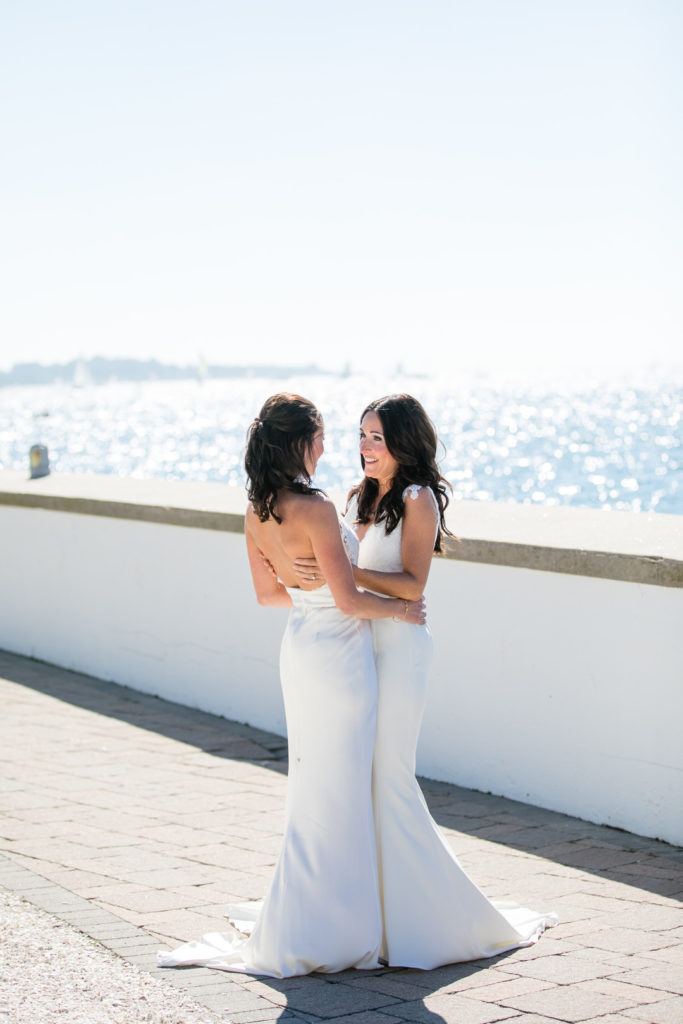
pixel 613 445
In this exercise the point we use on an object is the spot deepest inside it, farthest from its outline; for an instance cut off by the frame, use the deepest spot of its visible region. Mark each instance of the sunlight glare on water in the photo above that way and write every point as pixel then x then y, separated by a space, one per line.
pixel 566 443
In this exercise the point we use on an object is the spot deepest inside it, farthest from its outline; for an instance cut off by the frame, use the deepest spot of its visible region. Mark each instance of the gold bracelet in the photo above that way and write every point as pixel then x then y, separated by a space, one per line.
pixel 403 617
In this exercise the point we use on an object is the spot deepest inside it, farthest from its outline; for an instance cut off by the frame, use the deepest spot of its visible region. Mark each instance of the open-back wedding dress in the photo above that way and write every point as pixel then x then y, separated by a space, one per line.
pixel 322 910
pixel 364 872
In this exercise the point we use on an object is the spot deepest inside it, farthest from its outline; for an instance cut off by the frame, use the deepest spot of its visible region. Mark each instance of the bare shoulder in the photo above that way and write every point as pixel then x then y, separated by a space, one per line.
pixel 420 509
pixel 320 508
pixel 315 507
pixel 419 497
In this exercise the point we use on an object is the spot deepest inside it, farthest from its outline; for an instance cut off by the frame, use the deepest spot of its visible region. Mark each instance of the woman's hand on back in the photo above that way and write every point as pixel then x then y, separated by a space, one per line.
pixel 309 570
pixel 268 564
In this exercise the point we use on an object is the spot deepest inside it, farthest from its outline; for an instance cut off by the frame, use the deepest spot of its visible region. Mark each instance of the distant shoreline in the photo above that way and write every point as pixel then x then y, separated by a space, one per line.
pixel 100 370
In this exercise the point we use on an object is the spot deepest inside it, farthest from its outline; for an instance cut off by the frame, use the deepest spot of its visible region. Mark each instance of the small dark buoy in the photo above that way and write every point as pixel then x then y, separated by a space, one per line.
pixel 39 462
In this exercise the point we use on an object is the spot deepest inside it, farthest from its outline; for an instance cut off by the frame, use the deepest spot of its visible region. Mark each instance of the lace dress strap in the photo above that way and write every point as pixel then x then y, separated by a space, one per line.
pixel 412 491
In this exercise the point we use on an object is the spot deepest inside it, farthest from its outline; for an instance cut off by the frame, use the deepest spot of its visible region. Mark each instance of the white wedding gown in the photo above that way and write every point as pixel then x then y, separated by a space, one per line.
pixel 322 911
pixel 350 889
pixel 433 914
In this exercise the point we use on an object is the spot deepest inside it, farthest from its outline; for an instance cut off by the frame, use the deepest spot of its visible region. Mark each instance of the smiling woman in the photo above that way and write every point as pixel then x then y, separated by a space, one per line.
pixel 377 461
pixel 398 447
pixel 432 913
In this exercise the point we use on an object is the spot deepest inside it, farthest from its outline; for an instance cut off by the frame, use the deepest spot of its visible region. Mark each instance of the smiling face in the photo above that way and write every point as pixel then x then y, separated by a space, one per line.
pixel 379 463
pixel 314 450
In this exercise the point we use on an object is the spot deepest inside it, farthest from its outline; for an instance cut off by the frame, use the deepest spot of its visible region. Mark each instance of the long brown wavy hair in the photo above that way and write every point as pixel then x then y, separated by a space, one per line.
pixel 277 443
pixel 411 438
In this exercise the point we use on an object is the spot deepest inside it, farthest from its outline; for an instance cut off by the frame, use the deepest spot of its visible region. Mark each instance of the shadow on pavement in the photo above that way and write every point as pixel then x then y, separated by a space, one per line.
pixel 334 994
pixel 603 851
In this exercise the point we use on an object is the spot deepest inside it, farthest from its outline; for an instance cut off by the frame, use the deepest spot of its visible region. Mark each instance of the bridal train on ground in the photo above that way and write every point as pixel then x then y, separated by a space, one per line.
pixel 322 911
pixel 433 913
pixel 364 874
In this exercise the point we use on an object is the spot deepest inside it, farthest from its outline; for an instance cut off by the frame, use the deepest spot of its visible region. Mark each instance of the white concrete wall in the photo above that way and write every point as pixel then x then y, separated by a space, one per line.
pixel 562 691
pixel 165 609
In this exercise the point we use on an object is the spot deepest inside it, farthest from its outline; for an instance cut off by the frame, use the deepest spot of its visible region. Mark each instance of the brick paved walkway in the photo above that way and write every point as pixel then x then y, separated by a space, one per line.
pixel 139 821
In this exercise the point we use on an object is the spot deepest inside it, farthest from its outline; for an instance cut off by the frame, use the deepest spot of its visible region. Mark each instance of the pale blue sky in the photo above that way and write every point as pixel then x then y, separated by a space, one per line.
pixel 323 181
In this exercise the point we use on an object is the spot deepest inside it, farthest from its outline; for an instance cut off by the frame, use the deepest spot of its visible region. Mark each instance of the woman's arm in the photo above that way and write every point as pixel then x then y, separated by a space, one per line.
pixel 269 590
pixel 420 519
pixel 417 549
pixel 331 557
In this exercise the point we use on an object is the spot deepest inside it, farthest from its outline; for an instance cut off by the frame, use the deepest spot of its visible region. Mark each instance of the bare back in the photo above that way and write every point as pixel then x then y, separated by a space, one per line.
pixel 283 542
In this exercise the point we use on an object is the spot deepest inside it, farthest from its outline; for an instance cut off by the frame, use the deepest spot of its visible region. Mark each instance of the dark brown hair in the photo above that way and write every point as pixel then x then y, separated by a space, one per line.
pixel 411 439
pixel 277 443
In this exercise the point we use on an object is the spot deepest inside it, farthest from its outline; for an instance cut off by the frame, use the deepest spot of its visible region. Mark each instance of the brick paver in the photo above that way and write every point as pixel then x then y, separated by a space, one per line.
pixel 138 821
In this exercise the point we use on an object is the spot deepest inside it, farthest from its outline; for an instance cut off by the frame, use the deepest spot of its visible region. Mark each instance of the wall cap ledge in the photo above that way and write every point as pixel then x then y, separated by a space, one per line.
pixel 636 547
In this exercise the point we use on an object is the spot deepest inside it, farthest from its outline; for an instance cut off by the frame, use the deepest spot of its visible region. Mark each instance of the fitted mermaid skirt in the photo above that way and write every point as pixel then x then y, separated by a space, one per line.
pixel 322 911
pixel 433 913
